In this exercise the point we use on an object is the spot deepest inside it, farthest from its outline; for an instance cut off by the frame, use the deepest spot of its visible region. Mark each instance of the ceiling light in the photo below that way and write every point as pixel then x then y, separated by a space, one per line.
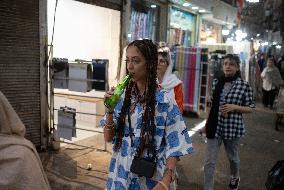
pixel 251 38
pixel 195 8
pixel 264 43
pixel 239 38
pixel 238 32
pixel 186 4
pixel 225 32
pixel 257 35
pixel 274 43
pixel 278 47
pixel 153 6
pixel 210 40
pixel 202 11
pixel 129 35
pixel 253 1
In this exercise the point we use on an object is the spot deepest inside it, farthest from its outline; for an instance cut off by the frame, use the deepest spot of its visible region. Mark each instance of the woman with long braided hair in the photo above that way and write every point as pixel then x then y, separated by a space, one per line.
pixel 146 127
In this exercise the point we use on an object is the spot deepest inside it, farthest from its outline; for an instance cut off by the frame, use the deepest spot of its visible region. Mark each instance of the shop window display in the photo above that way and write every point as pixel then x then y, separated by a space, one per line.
pixel 144 22
pixel 210 33
pixel 182 28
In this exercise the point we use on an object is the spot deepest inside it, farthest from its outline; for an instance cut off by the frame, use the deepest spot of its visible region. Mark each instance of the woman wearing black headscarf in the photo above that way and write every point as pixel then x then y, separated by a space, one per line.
pixel 231 98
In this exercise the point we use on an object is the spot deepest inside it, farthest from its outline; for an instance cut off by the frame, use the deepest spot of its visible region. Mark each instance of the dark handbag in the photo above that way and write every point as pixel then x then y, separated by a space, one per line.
pixel 275 178
pixel 143 167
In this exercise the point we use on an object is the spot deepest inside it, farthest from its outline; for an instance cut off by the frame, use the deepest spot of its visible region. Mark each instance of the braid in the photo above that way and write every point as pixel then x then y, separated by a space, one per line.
pixel 122 116
pixel 149 50
pixel 151 91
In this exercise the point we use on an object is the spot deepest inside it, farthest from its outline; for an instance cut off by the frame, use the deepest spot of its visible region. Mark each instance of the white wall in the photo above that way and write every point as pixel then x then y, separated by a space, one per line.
pixel 84 31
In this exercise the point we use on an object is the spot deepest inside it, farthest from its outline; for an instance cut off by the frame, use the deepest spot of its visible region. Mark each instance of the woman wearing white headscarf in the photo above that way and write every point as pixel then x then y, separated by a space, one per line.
pixel 20 165
pixel 168 80
pixel 271 80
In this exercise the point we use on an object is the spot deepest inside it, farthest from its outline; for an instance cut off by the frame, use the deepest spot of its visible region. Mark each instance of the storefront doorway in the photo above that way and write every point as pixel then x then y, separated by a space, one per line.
pixel 84 34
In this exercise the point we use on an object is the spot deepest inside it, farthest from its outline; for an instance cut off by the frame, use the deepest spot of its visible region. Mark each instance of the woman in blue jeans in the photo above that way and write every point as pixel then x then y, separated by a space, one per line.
pixel 232 97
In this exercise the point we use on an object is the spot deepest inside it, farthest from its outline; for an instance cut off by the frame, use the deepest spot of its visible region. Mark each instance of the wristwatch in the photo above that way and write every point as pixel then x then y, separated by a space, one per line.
pixel 172 173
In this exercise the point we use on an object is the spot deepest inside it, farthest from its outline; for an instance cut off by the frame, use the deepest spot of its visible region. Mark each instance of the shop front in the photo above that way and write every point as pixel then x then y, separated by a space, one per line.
pixel 186 22
pixel 84 40
pixel 210 33
pixel 190 61
pixel 84 31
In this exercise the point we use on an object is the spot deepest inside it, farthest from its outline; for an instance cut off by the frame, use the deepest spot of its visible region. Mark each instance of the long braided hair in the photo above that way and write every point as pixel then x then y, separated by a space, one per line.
pixel 149 50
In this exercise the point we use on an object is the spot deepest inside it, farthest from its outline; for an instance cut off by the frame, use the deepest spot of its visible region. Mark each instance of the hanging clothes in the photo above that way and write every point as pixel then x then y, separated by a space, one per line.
pixel 142 25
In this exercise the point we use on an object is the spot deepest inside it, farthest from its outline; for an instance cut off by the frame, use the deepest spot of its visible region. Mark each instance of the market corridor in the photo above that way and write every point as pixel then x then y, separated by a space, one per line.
pixel 261 147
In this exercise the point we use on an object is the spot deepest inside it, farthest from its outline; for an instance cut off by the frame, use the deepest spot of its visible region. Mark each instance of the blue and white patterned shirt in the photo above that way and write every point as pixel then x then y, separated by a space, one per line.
pixel 240 93
pixel 171 137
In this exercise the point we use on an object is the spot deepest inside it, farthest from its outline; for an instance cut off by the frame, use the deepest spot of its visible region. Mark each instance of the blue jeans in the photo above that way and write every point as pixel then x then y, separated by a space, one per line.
pixel 212 150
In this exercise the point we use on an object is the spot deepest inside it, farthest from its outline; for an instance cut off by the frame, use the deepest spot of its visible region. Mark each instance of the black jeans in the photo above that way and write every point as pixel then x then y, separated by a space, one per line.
pixel 268 97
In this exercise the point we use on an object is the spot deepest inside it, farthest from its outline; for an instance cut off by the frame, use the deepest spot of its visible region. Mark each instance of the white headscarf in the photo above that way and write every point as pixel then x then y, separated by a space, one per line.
pixel 170 80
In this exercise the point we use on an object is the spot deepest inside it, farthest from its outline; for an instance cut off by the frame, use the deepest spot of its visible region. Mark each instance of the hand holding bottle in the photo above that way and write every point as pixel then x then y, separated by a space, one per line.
pixel 107 95
pixel 112 97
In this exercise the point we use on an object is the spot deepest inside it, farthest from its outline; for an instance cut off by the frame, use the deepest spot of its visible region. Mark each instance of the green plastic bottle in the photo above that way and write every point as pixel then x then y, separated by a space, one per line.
pixel 113 100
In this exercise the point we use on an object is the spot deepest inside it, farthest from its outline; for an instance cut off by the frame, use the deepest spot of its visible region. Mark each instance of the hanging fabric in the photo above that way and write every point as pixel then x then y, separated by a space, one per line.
pixel 187 62
pixel 142 25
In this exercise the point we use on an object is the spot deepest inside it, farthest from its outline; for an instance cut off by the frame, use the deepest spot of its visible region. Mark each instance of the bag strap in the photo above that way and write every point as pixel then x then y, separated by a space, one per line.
pixel 150 148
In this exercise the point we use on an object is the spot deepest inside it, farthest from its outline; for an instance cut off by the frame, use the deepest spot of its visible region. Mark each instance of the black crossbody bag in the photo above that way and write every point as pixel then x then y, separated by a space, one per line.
pixel 142 166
